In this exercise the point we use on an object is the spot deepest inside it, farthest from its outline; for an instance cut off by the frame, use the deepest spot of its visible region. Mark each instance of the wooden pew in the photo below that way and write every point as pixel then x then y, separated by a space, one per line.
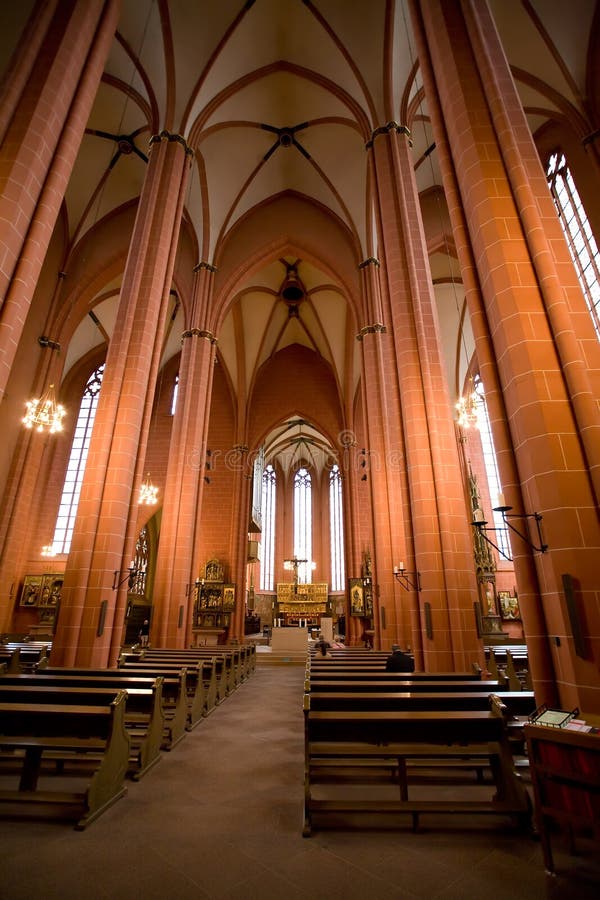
pixel 143 718
pixel 362 737
pixel 33 731
pixel 565 773
pixel 343 673
pixel 173 693
pixel 398 683
pixel 517 703
pixel 201 682
pixel 23 657
pixel 229 666
pixel 243 657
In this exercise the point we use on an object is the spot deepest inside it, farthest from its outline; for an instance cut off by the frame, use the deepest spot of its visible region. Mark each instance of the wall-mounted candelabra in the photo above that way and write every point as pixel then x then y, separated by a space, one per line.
pixel 480 523
pixel 410 581
pixel 132 573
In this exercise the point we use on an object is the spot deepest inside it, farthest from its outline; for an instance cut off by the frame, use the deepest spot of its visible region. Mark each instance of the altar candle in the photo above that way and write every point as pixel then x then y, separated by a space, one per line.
pixel 501 500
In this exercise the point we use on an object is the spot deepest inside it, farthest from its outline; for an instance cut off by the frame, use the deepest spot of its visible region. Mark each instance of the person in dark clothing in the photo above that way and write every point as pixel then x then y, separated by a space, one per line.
pixel 144 633
pixel 322 647
pixel 399 661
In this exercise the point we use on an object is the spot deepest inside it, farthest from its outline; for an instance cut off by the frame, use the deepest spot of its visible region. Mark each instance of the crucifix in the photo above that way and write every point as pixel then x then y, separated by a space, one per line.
pixel 294 563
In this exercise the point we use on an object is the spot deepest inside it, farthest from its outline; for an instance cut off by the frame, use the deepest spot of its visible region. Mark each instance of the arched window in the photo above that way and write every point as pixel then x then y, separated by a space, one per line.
pixel 578 232
pixel 491 467
pixel 174 395
pixel 336 526
pixel 67 511
pixel 303 524
pixel 267 564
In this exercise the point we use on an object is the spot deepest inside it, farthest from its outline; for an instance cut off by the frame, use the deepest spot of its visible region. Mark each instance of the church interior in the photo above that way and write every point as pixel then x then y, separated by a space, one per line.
pixel 300 337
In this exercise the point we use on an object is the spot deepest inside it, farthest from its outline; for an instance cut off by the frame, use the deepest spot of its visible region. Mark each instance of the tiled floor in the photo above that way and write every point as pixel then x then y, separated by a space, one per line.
pixel 221 817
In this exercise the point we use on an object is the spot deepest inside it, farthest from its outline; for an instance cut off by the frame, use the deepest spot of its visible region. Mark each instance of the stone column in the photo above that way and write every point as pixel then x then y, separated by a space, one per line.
pixel 92 612
pixel 433 501
pixel 46 104
pixel 540 661
pixel 381 481
pixel 542 338
pixel 177 565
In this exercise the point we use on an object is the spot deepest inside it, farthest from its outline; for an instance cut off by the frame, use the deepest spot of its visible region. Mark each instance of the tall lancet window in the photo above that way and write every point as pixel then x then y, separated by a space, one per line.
pixel 303 524
pixel 67 511
pixel 491 467
pixel 578 232
pixel 175 394
pixel 267 564
pixel 336 524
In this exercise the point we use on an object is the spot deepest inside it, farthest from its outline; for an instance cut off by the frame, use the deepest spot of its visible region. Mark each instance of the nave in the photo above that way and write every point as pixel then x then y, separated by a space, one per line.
pixel 221 817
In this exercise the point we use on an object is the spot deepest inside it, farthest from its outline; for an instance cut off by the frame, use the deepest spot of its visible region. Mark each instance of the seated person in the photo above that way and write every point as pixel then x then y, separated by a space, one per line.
pixel 322 647
pixel 399 661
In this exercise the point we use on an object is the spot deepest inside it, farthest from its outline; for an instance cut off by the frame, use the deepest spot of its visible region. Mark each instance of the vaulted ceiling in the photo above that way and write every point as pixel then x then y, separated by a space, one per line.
pixel 279 96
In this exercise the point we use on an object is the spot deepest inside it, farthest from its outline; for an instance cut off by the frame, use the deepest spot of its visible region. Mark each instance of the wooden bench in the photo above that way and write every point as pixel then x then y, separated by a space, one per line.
pixel 173 692
pixel 565 772
pixel 326 671
pixel 228 665
pixel 23 657
pixel 514 706
pixel 33 731
pixel 394 683
pixel 202 684
pixel 517 703
pixel 143 717
pixel 363 737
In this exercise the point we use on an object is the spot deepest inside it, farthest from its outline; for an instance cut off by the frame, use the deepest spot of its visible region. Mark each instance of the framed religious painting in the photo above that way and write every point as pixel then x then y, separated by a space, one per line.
pixel 357 596
pixel 51 590
pixel 229 596
pixel 509 606
pixel 32 590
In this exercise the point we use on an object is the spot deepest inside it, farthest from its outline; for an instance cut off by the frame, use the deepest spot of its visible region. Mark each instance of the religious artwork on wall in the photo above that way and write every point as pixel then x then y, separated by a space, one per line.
pixel 357 597
pixel 228 596
pixel 509 605
pixel 51 590
pixel 32 588
pixel 213 571
pixel 41 590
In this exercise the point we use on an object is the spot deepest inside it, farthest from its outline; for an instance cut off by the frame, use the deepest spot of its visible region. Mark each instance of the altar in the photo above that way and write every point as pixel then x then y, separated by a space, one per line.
pixel 301 604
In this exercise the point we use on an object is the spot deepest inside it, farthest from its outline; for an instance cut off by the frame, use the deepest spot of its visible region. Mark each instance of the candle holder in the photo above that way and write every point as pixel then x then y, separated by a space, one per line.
pixel 408 580
pixel 130 577
pixel 480 523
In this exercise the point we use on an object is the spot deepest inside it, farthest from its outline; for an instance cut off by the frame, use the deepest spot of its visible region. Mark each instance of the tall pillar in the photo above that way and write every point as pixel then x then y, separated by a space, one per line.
pixel 92 612
pixel 383 476
pixel 177 565
pixel 434 503
pixel 547 354
pixel 540 661
pixel 46 106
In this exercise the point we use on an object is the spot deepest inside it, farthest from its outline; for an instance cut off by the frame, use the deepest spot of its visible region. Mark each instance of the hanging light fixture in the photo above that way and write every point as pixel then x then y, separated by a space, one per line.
pixel 44 414
pixel 148 493
pixel 467 407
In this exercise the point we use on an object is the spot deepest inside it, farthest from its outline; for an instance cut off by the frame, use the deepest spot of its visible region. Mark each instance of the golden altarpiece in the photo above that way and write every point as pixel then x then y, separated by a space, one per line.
pixel 301 604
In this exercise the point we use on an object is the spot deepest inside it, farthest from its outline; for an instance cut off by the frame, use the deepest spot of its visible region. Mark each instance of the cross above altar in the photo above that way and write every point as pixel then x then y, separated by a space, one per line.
pixel 294 564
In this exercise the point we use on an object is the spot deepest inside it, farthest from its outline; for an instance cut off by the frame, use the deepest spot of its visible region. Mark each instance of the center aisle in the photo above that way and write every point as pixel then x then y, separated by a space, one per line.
pixel 220 817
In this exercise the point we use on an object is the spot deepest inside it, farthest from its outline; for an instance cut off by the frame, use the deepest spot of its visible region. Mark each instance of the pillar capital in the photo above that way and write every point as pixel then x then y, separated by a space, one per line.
pixel 205 265
pixel 376 328
pixel 168 136
pixel 371 261
pixel 388 129
pixel 198 332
